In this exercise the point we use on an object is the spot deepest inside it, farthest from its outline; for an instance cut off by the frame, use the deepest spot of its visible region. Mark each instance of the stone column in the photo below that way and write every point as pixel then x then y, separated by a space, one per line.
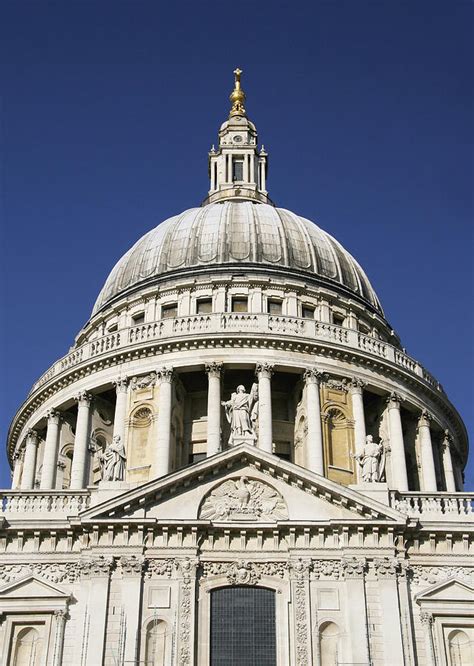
pixel 448 462
pixel 81 441
pixel 97 571
pixel 265 436
pixel 397 445
pixel 161 465
pixel 132 568
pixel 29 461
pixel 314 439
pixel 356 388
pixel 60 616
pixel 121 389
pixel 354 574
pixel 214 370
pixel 50 457
pixel 426 453
pixel 426 620
pixel 387 571
pixel 17 461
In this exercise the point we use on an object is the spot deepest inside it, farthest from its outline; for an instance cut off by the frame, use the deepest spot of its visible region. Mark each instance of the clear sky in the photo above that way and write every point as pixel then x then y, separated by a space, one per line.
pixel 108 111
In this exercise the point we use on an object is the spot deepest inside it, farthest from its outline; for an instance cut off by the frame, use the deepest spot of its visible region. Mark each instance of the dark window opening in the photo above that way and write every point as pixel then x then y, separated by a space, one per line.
pixel 338 319
pixel 240 304
pixel 237 170
pixel 274 307
pixel 204 306
pixel 138 318
pixel 308 312
pixel 196 457
pixel 243 628
pixel 169 311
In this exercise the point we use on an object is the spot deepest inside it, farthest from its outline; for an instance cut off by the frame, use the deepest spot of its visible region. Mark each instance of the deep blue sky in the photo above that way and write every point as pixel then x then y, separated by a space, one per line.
pixel 109 109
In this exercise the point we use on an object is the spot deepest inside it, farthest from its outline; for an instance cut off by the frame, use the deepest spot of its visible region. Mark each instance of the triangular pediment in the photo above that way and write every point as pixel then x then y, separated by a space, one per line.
pixel 449 590
pixel 32 587
pixel 243 484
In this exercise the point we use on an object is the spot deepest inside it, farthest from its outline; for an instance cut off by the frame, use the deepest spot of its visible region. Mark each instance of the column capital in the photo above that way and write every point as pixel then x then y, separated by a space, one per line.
pixel 426 618
pixel 32 436
pixel 53 416
pixel 313 376
pixel 165 375
pixel 448 441
pixel 214 368
pixel 61 615
pixel 394 400
pixel 121 384
pixel 83 398
pixel 357 385
pixel 386 567
pixel 132 566
pixel 424 418
pixel 264 370
pixel 354 567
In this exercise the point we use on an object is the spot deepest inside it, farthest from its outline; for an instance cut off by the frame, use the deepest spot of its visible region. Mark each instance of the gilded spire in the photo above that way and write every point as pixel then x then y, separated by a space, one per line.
pixel 237 96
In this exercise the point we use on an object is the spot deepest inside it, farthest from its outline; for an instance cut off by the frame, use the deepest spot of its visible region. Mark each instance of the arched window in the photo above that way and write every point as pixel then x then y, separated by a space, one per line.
pixel 28 648
pixel 243 629
pixel 66 464
pixel 460 649
pixel 339 446
pixel 329 638
pixel 156 643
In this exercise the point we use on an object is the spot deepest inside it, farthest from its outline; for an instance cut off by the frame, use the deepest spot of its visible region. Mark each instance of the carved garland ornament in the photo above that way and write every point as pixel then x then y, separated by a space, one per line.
pixel 244 499
pixel 187 568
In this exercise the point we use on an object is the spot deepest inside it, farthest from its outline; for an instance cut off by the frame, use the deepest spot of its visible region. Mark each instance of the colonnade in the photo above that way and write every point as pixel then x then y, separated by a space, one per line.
pixel 264 371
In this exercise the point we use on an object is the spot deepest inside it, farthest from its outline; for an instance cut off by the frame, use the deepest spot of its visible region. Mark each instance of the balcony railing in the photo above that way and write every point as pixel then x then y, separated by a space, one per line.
pixel 61 503
pixel 434 506
pixel 308 330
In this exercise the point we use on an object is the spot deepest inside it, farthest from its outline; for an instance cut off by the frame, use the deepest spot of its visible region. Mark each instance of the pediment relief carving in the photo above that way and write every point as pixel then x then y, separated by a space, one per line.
pixel 243 499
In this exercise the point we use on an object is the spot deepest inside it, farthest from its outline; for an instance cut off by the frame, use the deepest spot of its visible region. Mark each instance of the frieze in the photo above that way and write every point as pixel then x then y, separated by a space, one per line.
pixel 244 572
pixel 145 381
pixel 326 569
pixel 244 499
pixel 158 568
pixel 386 567
pixel 96 566
pixel 132 566
pixel 420 574
pixel 53 572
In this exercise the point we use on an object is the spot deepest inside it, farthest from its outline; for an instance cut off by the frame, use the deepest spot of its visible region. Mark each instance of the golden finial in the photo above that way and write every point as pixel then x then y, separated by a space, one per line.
pixel 237 96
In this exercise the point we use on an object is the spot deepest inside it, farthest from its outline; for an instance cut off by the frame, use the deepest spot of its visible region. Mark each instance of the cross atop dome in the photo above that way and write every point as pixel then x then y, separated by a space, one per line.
pixel 238 169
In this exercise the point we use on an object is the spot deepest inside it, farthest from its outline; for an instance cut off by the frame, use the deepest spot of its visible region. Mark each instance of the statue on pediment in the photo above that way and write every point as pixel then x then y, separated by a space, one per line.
pixel 112 461
pixel 372 460
pixel 241 412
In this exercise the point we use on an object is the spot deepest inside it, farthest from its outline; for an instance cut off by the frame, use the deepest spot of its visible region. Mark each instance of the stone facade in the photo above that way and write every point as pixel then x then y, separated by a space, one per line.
pixel 234 416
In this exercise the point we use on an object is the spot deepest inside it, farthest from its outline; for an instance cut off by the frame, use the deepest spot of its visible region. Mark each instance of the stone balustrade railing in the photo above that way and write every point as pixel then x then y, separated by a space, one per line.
pixel 434 506
pixel 59 502
pixel 308 330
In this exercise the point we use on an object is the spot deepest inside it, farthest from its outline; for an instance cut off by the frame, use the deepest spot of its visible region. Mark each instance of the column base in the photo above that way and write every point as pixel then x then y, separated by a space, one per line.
pixel 377 491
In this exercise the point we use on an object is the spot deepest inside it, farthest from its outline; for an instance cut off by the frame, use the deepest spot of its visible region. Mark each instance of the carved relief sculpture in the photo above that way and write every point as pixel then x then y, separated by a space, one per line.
pixel 244 499
pixel 242 412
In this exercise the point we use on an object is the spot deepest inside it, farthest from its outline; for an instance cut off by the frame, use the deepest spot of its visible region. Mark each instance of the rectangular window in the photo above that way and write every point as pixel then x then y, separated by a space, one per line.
pixel 169 311
pixel 237 170
pixel 112 328
pixel 338 319
pixel 204 306
pixel 196 457
pixel 138 318
pixel 240 304
pixel 308 312
pixel 274 307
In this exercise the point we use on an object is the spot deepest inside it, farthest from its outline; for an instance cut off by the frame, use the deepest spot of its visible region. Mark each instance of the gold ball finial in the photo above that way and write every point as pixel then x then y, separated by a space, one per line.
pixel 237 96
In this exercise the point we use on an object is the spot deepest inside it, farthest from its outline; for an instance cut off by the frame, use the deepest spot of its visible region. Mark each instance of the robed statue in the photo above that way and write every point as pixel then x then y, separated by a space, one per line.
pixel 372 460
pixel 242 412
pixel 112 461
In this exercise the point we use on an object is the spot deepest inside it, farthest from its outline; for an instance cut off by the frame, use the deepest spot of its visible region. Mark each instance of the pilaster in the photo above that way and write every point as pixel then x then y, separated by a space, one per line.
pixel 186 569
pixel 265 434
pixel 354 574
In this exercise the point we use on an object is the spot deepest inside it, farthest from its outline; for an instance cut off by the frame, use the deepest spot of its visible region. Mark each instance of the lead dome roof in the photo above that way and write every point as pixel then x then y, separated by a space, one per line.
pixel 231 234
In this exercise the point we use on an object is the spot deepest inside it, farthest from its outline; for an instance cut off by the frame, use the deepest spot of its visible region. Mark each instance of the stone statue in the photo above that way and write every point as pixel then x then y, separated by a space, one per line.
pixel 112 461
pixel 372 460
pixel 241 412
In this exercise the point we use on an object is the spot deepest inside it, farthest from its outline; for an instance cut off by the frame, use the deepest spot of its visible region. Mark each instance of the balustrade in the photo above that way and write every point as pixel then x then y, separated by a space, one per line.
pixel 435 505
pixel 258 323
pixel 62 502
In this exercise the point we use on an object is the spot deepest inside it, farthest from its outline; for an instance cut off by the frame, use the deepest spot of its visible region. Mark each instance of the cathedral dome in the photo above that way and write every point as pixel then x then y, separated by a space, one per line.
pixel 237 233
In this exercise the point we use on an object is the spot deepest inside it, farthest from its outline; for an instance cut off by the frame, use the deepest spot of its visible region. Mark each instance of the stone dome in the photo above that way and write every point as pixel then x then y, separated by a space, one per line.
pixel 237 234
